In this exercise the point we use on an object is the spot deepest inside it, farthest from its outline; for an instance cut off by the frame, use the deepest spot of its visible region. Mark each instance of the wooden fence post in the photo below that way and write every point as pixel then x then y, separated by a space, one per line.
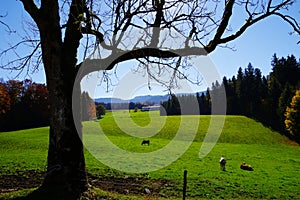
pixel 184 184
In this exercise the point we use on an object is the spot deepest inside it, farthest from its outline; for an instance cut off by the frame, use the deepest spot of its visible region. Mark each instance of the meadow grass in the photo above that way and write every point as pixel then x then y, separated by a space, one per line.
pixel 24 150
pixel 276 164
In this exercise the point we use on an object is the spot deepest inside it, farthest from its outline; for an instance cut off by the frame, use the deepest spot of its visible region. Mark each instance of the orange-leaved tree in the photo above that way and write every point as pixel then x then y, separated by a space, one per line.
pixel 292 120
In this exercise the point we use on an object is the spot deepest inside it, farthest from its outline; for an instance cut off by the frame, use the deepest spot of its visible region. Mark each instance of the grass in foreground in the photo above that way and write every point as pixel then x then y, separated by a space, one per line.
pixel 276 165
pixel 94 193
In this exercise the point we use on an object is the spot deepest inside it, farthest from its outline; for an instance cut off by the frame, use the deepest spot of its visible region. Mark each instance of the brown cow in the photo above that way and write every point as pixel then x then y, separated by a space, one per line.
pixel 245 166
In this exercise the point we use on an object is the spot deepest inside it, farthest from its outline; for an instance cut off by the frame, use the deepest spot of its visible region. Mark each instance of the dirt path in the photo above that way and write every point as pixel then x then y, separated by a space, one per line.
pixel 124 185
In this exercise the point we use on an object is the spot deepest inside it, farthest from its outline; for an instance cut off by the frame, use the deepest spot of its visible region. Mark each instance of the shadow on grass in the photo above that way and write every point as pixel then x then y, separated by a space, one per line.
pixel 56 193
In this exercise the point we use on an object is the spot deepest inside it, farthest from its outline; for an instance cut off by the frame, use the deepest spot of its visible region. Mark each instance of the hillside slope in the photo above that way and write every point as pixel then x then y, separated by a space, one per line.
pixel 23 157
pixel 243 130
pixel 236 130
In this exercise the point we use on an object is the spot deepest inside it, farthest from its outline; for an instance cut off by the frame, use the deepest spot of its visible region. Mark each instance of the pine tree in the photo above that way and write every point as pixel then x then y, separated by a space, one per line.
pixel 208 102
pixel 100 109
pixel 258 92
pixel 275 91
pixel 240 91
pixel 284 100
pixel 286 70
pixel 249 90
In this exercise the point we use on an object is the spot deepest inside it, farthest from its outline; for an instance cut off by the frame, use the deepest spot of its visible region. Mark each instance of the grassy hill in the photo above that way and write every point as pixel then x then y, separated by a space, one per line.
pixel 276 163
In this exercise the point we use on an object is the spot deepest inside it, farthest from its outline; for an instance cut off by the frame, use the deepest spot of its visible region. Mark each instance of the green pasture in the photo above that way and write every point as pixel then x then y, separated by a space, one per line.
pixel 276 162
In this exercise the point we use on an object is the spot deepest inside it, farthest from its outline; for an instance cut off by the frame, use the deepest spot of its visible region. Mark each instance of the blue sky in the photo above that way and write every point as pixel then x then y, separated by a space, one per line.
pixel 256 45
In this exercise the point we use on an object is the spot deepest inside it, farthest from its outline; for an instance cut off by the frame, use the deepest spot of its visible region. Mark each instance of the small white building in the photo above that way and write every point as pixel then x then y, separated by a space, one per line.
pixel 150 108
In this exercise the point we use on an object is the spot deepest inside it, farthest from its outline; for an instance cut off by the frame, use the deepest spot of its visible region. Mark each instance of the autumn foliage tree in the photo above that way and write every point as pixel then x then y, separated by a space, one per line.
pixel 88 107
pixel 24 104
pixel 292 115
pixel 5 101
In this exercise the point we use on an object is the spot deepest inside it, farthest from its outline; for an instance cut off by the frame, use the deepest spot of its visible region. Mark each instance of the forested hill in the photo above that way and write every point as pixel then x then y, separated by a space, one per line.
pixel 273 100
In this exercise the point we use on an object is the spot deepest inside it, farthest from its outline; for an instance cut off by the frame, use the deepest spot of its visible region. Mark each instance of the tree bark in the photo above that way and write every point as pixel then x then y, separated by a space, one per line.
pixel 66 173
pixel 66 165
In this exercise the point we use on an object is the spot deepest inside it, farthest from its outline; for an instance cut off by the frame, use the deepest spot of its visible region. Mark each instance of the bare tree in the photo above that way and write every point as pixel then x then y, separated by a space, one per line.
pixel 63 27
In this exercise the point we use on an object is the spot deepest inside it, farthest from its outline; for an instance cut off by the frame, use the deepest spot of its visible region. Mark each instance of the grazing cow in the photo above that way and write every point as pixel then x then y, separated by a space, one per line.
pixel 146 142
pixel 245 166
pixel 222 163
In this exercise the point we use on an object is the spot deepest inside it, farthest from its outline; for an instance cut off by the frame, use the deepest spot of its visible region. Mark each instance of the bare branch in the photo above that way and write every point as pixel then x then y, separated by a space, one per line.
pixel 118 57
pixel 222 27
pixel 158 6
pixel 98 35
pixel 159 70
pixel 31 60
pixel 291 21
pixel 253 18
pixel 6 25
pixel 32 9
pixel 204 25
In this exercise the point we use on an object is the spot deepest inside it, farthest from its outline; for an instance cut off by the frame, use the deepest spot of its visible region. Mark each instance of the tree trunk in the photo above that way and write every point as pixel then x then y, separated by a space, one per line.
pixel 66 164
pixel 66 173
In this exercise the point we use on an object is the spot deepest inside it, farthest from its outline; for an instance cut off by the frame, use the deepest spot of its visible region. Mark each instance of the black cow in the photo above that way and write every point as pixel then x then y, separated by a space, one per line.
pixel 146 142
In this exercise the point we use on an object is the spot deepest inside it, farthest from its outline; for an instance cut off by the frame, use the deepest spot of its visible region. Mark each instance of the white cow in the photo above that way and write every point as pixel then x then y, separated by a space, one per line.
pixel 222 163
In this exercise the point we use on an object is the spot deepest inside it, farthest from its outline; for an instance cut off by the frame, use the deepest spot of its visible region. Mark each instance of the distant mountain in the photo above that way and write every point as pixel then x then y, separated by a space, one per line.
pixel 150 98
pixel 110 100
pixel 138 99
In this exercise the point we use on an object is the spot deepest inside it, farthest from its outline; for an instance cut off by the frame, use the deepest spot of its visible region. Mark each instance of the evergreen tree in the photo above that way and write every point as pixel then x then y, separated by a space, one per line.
pixel 100 111
pixel 284 100
pixel 249 90
pixel 208 102
pixel 225 83
pixel 232 99
pixel 292 71
pixel 240 91
pixel 264 92
pixel 171 107
pixel 286 70
pixel 202 104
pixel 275 91
pixel 257 92
pixel 174 105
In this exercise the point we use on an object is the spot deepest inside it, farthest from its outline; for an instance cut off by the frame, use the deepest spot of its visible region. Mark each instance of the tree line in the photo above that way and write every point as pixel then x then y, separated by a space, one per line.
pixel 25 104
pixel 127 105
pixel 267 99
